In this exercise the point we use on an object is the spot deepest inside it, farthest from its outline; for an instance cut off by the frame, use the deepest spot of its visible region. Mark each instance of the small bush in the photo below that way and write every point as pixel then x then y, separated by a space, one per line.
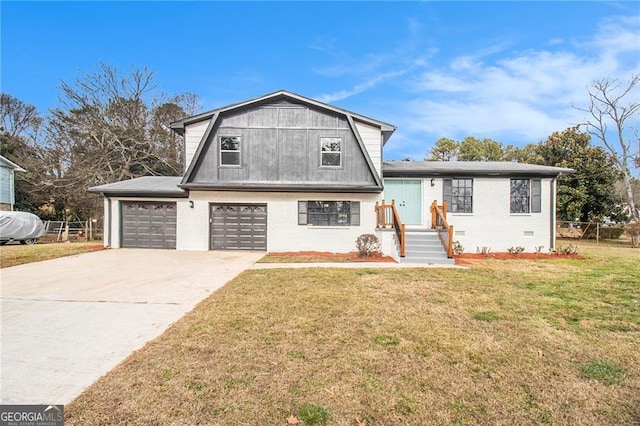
pixel 457 247
pixel 313 415
pixel 538 249
pixel 368 245
pixel 567 250
pixel 633 231
pixel 483 250
pixel 515 250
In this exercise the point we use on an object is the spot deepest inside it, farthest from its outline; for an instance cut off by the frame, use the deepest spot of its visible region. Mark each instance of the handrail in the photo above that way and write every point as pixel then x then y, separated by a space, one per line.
pixel 439 222
pixel 387 215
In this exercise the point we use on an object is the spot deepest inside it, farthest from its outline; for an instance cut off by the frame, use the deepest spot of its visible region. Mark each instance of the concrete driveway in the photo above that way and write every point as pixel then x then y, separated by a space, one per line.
pixel 68 321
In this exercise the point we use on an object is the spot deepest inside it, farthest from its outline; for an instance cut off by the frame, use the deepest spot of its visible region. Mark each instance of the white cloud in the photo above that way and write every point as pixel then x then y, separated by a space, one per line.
pixel 359 88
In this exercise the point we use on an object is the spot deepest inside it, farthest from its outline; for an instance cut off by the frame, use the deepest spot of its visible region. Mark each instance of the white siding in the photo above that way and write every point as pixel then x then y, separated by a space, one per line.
pixel 283 231
pixel 491 224
pixel 372 138
pixel 193 134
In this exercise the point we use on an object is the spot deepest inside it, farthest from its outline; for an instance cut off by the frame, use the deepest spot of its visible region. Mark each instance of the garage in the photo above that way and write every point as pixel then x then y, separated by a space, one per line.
pixel 147 224
pixel 238 227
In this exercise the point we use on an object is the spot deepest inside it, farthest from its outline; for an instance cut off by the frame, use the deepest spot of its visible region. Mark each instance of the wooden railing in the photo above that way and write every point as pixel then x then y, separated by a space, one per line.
pixel 387 215
pixel 439 223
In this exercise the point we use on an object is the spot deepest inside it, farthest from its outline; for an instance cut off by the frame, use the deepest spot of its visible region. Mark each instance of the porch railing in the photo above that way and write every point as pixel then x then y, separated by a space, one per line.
pixel 387 215
pixel 439 223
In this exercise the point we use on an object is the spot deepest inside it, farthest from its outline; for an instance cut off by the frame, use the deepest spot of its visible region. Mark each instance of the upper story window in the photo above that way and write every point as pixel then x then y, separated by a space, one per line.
pixel 526 196
pixel 331 152
pixel 458 193
pixel 229 150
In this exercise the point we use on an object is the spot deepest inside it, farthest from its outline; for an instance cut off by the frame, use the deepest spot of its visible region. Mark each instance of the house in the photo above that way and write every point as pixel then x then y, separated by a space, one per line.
pixel 287 173
pixel 7 183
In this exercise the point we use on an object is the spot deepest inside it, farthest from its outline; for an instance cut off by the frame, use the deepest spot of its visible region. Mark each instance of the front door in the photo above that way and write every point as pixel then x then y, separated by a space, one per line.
pixel 408 196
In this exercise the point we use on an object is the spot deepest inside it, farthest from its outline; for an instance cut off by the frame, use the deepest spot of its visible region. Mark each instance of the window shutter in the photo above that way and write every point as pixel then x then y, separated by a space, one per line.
pixel 446 192
pixel 536 196
pixel 302 213
pixel 355 213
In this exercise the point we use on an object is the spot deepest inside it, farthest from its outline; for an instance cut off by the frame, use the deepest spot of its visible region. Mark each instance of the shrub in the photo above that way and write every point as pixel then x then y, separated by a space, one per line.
pixel 457 247
pixel 567 250
pixel 515 250
pixel 367 245
pixel 633 231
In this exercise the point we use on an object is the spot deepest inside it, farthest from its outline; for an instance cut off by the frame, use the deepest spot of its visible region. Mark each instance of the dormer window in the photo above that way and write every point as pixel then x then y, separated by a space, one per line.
pixel 331 152
pixel 229 150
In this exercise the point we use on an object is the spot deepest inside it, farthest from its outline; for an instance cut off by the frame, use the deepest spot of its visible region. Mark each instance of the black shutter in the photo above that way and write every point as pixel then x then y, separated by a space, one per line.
pixel 536 196
pixel 446 192
pixel 355 213
pixel 302 213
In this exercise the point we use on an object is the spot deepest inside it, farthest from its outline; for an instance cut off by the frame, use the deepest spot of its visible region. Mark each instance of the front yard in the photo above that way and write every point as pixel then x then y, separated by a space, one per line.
pixel 504 342
pixel 15 254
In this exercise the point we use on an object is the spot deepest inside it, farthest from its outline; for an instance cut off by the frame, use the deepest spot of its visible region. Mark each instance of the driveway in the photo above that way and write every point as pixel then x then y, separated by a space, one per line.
pixel 68 321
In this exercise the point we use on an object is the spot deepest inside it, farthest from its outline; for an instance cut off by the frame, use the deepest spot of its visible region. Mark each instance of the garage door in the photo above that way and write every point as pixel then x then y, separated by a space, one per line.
pixel 148 225
pixel 238 227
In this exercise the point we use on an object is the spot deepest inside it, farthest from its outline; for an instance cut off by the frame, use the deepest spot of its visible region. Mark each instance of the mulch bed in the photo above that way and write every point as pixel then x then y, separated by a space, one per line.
pixel 325 256
pixel 462 259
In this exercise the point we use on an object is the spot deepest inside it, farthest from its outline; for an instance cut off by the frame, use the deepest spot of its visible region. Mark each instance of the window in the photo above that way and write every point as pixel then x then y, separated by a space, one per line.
pixel 329 213
pixel 229 150
pixel 330 152
pixel 526 196
pixel 458 193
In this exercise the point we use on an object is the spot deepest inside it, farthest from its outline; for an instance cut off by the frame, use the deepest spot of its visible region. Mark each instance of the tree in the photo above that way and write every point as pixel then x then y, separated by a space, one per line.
pixel 472 149
pixel 610 117
pixel 445 149
pixel 589 193
pixel 20 123
pixel 110 127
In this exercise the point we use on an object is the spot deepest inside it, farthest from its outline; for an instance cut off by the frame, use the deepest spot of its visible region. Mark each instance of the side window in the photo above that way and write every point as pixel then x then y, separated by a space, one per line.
pixel 520 196
pixel 229 150
pixel 458 193
pixel 331 152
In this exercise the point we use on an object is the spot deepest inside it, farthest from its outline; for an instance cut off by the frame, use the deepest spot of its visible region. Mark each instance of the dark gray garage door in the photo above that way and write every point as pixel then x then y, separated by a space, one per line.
pixel 238 227
pixel 148 224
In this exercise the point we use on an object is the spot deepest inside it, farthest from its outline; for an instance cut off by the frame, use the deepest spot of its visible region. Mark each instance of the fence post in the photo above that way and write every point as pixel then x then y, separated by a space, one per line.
pixel 597 233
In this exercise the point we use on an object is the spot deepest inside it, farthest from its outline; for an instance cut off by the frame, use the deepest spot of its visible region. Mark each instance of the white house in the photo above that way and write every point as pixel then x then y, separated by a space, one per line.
pixel 287 173
pixel 7 183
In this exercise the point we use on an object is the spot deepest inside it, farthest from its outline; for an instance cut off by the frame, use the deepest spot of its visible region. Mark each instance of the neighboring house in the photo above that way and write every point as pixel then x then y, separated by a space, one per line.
pixel 287 173
pixel 7 183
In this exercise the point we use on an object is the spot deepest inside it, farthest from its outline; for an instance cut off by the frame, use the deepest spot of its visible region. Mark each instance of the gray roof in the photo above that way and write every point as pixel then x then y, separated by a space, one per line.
pixel 468 168
pixel 150 186
pixel 10 164
pixel 178 126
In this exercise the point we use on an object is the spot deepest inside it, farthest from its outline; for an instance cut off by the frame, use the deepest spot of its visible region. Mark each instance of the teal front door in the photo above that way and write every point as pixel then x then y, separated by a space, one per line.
pixel 408 196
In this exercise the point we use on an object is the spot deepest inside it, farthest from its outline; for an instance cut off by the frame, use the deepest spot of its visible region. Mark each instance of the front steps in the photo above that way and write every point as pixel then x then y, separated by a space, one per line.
pixel 424 247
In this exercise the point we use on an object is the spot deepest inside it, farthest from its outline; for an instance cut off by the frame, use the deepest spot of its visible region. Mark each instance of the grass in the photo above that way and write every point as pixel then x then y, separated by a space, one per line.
pixel 16 254
pixel 522 342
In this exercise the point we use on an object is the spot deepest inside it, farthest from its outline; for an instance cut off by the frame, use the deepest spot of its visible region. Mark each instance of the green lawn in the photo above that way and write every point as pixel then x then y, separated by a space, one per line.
pixel 523 342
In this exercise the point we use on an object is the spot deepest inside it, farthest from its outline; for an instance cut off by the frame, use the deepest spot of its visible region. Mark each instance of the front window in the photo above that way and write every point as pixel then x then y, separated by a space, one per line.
pixel 329 213
pixel 520 195
pixel 229 150
pixel 461 196
pixel 331 152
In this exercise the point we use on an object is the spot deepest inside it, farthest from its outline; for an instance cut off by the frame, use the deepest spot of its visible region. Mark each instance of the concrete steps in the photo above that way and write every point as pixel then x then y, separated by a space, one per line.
pixel 424 247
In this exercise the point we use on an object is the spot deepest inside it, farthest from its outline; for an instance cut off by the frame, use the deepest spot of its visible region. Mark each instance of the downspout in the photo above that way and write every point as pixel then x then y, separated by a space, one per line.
pixel 107 222
pixel 552 204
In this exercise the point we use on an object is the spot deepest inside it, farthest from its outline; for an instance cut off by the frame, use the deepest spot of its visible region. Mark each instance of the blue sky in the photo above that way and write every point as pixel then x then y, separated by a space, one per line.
pixel 509 71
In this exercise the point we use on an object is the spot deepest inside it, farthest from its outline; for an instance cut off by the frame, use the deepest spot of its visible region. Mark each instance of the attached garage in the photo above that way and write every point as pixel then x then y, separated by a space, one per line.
pixel 148 224
pixel 238 227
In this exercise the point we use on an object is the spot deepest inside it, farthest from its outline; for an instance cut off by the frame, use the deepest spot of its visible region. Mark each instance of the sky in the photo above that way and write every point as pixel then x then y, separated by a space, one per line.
pixel 509 71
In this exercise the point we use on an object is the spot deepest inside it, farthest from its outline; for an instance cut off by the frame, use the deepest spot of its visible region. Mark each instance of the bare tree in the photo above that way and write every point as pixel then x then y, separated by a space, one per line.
pixel 611 121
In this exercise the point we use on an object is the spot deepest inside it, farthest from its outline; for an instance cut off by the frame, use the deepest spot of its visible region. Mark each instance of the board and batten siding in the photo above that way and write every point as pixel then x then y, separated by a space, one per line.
pixel 193 134
pixel 283 231
pixel 6 186
pixel 280 144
